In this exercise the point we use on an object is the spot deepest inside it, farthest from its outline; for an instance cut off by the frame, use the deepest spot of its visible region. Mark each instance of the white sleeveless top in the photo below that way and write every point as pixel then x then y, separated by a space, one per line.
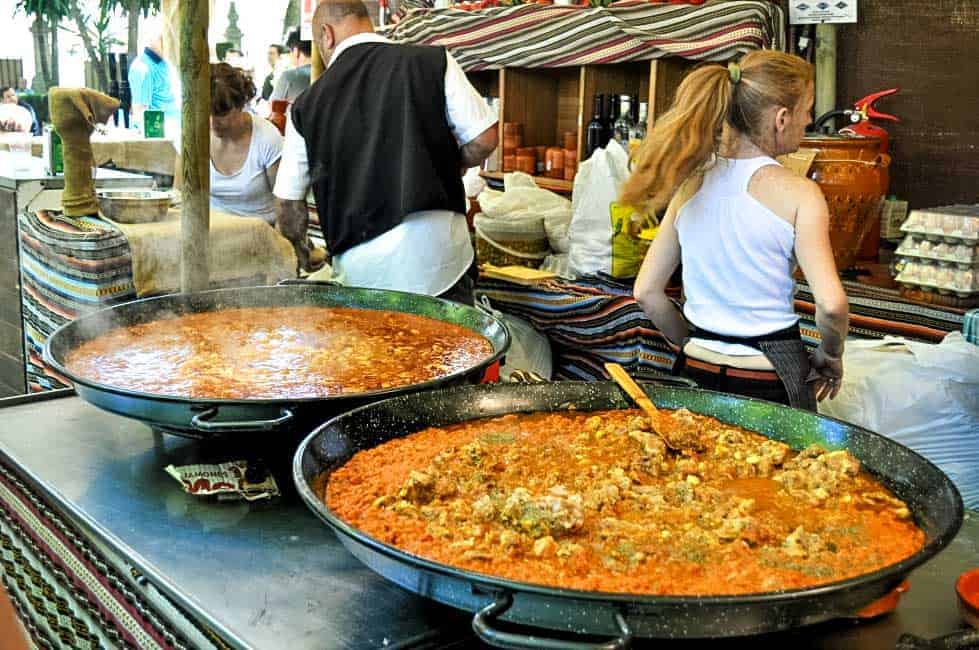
pixel 247 192
pixel 738 258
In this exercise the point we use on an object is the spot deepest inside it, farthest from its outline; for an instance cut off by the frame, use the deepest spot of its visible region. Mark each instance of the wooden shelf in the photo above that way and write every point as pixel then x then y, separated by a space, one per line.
pixel 552 184
pixel 548 102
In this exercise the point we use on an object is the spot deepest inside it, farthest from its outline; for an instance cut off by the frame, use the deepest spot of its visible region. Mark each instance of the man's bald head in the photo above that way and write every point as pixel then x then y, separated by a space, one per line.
pixel 337 20
pixel 333 12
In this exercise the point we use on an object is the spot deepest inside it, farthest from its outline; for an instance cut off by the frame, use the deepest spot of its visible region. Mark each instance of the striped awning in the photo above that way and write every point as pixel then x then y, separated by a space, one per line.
pixel 545 36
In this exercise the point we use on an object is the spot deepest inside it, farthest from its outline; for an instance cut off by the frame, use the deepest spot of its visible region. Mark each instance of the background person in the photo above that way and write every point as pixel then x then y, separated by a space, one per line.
pixel 14 116
pixel 152 82
pixel 295 81
pixel 277 64
pixel 245 149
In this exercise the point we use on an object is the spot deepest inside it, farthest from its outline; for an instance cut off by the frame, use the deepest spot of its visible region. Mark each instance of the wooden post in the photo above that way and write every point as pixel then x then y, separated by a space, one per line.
pixel 195 73
pixel 825 68
pixel 318 65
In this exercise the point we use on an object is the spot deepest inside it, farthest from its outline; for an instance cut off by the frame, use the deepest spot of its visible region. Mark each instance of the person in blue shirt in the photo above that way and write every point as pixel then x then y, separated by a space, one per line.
pixel 151 84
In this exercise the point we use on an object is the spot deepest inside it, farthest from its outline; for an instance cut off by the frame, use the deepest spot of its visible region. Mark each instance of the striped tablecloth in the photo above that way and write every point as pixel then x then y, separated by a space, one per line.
pixel 69 593
pixel 594 320
pixel 69 267
pixel 544 36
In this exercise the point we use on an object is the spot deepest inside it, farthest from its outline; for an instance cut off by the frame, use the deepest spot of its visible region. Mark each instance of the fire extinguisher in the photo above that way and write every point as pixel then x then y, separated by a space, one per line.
pixel 859 119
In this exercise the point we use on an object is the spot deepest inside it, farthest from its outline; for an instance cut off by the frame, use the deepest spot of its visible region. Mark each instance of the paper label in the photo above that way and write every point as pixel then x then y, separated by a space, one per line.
pixel 799 161
pixel 807 12
pixel 225 480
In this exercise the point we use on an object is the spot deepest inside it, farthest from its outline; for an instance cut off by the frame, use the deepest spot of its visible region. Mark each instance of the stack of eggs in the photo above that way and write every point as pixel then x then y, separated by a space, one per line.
pixel 940 251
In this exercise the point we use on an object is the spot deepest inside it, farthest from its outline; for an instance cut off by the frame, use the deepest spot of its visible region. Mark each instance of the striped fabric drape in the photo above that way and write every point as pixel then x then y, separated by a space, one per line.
pixel 544 36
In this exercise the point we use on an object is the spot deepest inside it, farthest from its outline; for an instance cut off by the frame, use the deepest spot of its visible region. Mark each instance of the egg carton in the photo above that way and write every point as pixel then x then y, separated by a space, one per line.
pixel 952 224
pixel 938 276
pixel 965 256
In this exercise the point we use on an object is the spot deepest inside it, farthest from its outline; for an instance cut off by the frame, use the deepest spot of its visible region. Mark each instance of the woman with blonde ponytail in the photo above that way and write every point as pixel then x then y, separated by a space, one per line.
pixel 740 224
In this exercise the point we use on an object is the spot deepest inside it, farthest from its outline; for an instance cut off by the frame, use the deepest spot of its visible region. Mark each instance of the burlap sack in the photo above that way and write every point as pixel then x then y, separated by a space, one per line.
pixel 74 113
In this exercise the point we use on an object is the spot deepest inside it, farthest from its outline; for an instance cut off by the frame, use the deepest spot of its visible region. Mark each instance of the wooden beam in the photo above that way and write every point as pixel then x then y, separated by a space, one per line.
pixel 318 65
pixel 195 73
pixel 825 69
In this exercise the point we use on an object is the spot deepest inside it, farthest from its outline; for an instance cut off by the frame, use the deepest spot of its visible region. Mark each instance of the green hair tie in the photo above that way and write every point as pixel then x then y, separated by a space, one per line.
pixel 734 70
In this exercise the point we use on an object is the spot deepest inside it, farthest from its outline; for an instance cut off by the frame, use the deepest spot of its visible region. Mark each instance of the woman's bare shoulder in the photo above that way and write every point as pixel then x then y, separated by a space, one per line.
pixel 785 192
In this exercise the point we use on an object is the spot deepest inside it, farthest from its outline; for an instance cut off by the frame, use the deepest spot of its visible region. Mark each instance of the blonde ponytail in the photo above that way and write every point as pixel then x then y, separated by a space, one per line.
pixel 684 138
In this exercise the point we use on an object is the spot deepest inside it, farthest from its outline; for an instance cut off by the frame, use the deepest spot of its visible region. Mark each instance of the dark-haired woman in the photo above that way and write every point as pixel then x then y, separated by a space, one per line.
pixel 740 223
pixel 245 149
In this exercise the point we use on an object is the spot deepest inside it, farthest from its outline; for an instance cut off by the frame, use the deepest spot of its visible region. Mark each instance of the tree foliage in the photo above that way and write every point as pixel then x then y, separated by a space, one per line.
pixel 47 15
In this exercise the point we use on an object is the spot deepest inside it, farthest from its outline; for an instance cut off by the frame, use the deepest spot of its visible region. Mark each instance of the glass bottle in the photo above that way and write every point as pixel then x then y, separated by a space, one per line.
pixel 624 122
pixel 595 131
pixel 638 131
pixel 609 114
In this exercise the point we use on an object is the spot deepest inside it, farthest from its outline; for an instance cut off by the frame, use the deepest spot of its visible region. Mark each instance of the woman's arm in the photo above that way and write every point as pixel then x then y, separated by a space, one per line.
pixel 271 173
pixel 815 255
pixel 650 290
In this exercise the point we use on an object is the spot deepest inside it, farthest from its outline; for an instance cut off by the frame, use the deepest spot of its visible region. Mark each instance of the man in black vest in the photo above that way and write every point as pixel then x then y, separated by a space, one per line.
pixel 383 137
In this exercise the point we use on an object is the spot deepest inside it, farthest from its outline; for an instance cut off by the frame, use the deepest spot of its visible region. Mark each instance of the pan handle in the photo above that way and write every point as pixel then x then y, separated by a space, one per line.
pixel 482 626
pixel 202 422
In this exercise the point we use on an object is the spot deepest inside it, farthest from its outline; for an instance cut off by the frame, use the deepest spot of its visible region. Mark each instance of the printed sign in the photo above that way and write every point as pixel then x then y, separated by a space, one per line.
pixel 306 20
pixel 806 12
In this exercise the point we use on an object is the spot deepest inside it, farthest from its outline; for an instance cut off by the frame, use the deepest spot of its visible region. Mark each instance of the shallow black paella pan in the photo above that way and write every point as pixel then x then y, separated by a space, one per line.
pixel 931 496
pixel 203 418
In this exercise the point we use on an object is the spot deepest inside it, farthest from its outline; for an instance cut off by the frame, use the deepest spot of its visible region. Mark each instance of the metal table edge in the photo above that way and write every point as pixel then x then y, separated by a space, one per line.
pixel 91 527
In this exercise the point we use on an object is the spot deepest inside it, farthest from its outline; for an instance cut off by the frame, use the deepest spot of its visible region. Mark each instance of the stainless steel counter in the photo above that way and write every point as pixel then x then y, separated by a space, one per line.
pixel 271 576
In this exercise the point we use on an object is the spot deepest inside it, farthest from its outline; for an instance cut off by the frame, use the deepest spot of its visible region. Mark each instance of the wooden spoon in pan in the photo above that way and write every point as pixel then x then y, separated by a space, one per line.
pixel 628 384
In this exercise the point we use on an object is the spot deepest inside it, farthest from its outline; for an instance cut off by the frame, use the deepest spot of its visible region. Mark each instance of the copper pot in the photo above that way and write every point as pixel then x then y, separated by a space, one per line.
pixel 853 174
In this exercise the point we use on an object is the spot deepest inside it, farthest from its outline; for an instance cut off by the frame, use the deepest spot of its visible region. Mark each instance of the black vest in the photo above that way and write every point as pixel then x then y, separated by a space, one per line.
pixel 379 142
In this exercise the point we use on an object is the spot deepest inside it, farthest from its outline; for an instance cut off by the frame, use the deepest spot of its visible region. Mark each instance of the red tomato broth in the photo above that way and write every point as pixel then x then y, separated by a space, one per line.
pixel 449 495
pixel 278 353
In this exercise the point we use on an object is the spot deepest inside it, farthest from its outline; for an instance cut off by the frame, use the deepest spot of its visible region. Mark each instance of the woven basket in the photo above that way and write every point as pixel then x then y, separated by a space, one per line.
pixel 853 175
pixel 511 242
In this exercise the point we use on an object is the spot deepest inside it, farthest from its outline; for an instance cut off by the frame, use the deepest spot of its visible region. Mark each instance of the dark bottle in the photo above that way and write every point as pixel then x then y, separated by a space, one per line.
pixel 595 131
pixel 125 92
pixel 610 113
pixel 114 83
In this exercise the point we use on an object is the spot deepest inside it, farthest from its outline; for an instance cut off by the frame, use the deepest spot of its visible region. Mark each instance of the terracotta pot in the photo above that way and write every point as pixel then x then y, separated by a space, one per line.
pixel 278 116
pixel 555 162
pixel 852 174
pixel 570 140
pixel 526 164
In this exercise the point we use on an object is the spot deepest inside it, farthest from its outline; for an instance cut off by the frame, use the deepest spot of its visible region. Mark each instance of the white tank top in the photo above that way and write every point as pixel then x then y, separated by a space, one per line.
pixel 738 258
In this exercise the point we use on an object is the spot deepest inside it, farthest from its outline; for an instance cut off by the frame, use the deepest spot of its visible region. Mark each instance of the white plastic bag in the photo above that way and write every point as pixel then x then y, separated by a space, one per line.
pixel 923 395
pixel 597 185
pixel 529 349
